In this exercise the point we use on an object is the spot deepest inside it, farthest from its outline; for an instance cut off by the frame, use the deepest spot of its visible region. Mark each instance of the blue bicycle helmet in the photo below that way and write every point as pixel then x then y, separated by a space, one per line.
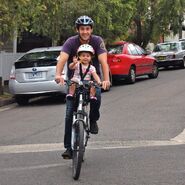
pixel 85 21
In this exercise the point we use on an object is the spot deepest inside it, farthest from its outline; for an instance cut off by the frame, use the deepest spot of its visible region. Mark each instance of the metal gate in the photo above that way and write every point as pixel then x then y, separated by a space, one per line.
pixel 6 61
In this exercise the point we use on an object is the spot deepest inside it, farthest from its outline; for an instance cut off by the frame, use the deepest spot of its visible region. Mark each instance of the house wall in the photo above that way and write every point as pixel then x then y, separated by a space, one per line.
pixel 172 37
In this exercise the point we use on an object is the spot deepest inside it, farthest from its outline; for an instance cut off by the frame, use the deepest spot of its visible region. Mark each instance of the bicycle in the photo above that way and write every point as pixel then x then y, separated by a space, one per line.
pixel 80 126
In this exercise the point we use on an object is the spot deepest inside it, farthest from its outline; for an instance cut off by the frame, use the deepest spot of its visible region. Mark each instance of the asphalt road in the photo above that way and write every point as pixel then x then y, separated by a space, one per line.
pixel 141 139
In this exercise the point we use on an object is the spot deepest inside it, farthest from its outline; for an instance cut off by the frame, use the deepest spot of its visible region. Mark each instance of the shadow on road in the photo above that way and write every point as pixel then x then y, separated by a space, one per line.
pixel 170 68
pixel 124 82
pixel 46 101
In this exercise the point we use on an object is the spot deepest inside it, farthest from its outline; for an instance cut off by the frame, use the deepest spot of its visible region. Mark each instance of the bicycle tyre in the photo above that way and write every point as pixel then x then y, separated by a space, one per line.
pixel 78 151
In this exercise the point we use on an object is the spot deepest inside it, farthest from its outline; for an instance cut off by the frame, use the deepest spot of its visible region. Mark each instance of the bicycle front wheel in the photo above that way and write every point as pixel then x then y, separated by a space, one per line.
pixel 78 149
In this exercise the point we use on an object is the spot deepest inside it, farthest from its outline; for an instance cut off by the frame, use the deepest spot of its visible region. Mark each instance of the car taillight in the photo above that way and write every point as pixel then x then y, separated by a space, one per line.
pixel 12 73
pixel 116 59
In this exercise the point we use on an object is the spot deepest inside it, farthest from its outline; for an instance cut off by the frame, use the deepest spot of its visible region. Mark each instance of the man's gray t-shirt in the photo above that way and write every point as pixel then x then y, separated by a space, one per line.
pixel 72 44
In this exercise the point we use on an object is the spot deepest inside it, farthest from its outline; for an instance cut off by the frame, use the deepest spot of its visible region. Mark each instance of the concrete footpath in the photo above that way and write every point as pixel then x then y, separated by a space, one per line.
pixel 6 101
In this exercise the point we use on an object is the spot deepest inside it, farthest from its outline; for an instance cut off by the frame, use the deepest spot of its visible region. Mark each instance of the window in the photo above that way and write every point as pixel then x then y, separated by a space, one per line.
pixel 173 46
pixel 115 49
pixel 140 50
pixel 38 59
pixel 132 49
pixel 183 45
pixel 45 55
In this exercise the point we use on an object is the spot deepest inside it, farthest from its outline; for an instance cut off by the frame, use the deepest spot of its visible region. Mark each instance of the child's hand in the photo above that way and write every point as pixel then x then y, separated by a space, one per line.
pixel 75 60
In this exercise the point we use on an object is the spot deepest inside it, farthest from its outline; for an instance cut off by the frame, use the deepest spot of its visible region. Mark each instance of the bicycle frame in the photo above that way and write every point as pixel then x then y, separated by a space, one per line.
pixel 82 111
pixel 80 126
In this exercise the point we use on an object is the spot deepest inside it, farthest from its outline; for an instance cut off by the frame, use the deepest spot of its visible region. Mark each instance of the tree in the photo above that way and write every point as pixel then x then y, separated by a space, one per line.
pixel 59 17
pixel 153 18
pixel 139 21
pixel 173 12
pixel 16 15
pixel 55 19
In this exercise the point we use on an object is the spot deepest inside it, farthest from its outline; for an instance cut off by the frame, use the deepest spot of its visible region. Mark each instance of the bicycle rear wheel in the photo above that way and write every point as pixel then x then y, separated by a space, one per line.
pixel 78 148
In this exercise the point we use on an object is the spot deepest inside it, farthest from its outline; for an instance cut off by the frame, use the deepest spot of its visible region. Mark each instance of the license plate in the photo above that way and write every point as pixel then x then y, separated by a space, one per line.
pixel 161 58
pixel 34 75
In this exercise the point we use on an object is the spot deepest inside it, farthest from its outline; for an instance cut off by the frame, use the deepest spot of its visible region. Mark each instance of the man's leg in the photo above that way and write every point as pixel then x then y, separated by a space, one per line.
pixel 68 126
pixel 94 112
pixel 68 123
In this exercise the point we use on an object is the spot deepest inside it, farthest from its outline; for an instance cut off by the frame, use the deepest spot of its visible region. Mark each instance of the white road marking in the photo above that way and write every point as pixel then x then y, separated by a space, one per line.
pixel 22 168
pixel 5 108
pixel 98 145
pixel 31 148
pixel 180 138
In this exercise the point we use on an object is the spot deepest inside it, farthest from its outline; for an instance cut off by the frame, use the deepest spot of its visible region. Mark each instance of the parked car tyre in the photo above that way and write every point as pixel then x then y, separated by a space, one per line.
pixel 182 66
pixel 132 75
pixel 155 72
pixel 22 100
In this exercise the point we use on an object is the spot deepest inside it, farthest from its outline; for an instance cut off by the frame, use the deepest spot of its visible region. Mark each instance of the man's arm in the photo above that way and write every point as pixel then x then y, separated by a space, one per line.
pixel 105 69
pixel 60 66
pixel 96 77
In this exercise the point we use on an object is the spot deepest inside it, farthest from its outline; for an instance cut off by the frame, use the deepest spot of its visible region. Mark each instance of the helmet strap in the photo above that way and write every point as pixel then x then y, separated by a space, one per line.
pixel 86 71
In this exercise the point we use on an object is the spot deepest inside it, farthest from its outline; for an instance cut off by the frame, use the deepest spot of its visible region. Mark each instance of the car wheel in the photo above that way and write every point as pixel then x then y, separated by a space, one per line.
pixel 182 65
pixel 155 72
pixel 132 76
pixel 22 100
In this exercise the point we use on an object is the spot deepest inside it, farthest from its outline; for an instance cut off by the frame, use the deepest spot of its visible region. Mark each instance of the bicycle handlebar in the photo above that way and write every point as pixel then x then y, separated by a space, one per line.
pixel 85 84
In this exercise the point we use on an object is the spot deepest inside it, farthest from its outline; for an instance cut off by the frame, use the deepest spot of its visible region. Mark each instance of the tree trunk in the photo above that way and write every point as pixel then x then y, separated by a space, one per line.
pixel 180 29
pixel 138 31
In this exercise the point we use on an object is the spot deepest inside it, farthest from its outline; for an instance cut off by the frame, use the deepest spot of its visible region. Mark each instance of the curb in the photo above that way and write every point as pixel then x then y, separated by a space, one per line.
pixel 6 101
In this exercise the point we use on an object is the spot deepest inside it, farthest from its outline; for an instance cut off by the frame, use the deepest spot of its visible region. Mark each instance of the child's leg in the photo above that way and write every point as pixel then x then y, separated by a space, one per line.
pixel 71 91
pixel 93 93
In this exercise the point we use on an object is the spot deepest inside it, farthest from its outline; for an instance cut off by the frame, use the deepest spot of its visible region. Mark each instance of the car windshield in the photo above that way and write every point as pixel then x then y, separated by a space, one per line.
pixel 174 46
pixel 44 55
pixel 115 49
pixel 38 59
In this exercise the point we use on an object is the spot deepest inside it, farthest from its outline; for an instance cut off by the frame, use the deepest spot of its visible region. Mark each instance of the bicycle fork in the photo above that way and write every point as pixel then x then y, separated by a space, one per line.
pixel 83 120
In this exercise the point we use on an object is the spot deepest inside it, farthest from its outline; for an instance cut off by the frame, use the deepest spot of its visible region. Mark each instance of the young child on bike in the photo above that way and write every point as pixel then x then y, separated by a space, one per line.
pixel 83 70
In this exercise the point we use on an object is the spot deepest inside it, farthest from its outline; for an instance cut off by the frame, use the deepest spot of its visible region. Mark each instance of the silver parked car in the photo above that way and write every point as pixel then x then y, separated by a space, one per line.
pixel 170 54
pixel 33 74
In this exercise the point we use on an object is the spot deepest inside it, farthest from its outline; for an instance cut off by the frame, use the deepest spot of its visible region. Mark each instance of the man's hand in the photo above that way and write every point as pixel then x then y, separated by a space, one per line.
pixel 106 85
pixel 59 79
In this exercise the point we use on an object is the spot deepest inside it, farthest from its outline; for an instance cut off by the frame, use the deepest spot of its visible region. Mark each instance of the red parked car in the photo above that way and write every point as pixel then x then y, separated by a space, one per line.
pixel 128 60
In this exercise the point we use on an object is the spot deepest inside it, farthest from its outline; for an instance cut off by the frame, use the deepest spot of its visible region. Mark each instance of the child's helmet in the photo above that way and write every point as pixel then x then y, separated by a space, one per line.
pixel 86 48
pixel 84 21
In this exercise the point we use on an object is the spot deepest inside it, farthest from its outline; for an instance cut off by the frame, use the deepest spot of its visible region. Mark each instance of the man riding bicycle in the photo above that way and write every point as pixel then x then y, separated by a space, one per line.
pixel 84 28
